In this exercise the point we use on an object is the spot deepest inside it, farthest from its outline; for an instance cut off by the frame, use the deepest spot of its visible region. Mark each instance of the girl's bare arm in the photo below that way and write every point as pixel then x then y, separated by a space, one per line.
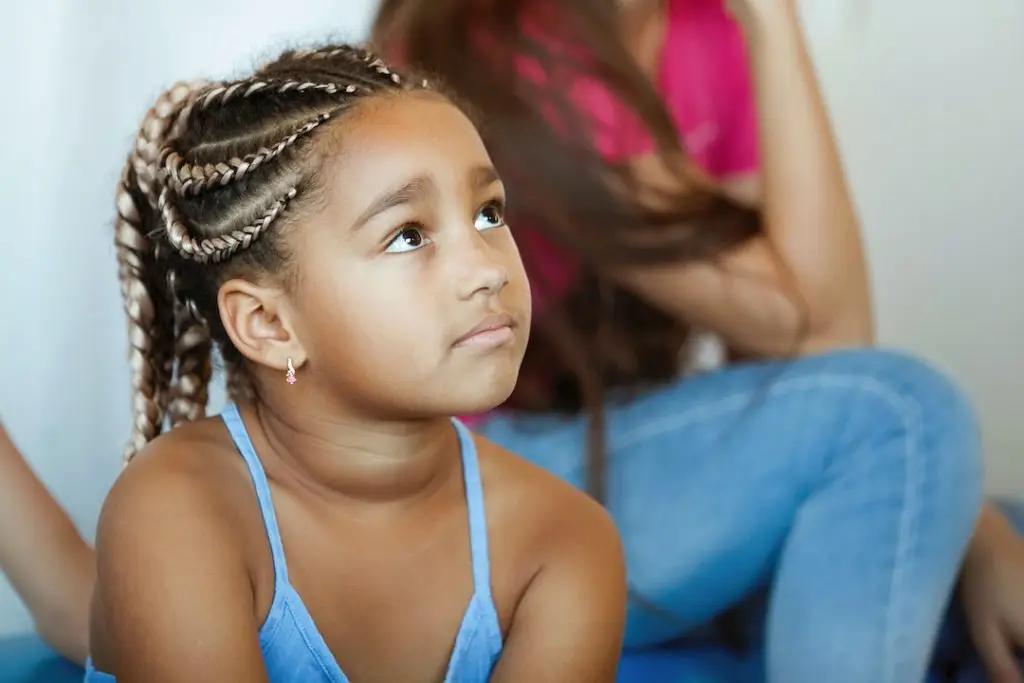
pixel 46 560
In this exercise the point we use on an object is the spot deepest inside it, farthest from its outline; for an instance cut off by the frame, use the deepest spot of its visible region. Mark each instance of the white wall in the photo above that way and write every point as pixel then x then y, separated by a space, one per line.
pixel 928 100
pixel 75 87
pixel 924 99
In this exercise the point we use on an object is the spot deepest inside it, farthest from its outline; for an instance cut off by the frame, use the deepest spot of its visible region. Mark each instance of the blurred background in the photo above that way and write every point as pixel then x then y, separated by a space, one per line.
pixel 926 96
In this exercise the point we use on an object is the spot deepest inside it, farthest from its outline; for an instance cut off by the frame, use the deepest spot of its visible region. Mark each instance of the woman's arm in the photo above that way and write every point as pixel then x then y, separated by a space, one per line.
pixel 569 624
pixel 992 592
pixel 174 600
pixel 804 286
pixel 43 555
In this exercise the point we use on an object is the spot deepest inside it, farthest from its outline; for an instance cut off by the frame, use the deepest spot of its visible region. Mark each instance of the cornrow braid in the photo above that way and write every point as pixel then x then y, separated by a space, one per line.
pixel 192 179
pixel 351 53
pixel 216 175
pixel 221 247
pixel 149 356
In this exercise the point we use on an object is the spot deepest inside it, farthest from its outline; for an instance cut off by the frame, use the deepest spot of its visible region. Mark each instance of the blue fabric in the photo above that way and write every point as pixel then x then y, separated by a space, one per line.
pixel 293 649
pixel 26 659
pixel 700 661
pixel 844 485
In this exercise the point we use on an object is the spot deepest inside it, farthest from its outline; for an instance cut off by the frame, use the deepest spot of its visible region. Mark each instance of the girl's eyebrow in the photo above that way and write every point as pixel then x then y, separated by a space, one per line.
pixel 416 189
pixel 420 188
pixel 481 176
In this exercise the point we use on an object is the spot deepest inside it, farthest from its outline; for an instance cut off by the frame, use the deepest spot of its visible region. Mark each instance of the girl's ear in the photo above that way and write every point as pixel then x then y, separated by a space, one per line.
pixel 257 321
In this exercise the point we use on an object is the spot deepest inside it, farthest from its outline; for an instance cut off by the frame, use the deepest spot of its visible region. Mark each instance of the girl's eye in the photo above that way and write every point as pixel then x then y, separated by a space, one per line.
pixel 409 239
pixel 491 216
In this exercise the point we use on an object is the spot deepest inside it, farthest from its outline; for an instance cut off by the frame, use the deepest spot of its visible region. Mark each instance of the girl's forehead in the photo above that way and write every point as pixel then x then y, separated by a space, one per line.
pixel 404 115
pixel 398 151
pixel 398 137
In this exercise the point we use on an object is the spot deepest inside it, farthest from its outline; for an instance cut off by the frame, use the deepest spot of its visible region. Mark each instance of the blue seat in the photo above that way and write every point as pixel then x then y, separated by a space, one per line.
pixel 700 664
pixel 715 665
pixel 26 659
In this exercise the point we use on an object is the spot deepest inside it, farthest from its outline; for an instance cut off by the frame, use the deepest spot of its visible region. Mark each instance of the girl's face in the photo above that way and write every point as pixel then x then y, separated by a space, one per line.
pixel 411 298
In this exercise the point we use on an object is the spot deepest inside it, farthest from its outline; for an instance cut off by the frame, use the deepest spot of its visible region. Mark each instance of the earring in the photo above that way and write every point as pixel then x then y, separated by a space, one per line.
pixel 290 375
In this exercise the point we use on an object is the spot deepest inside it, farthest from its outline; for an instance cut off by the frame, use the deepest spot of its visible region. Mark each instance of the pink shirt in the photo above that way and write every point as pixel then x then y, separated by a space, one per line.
pixel 704 79
pixel 705 82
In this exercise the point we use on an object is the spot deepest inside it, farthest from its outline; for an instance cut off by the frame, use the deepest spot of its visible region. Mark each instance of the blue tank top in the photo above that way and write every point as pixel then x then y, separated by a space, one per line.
pixel 293 649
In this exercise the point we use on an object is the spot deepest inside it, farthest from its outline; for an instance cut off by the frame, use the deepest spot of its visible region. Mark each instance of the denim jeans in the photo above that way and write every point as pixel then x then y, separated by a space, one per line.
pixel 846 485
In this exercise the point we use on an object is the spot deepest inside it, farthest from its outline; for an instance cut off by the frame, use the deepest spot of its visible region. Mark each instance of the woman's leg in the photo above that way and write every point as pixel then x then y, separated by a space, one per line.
pixel 849 481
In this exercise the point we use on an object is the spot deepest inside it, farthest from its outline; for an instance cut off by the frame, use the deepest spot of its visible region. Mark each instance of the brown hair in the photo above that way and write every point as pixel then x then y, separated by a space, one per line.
pixel 601 337
pixel 217 172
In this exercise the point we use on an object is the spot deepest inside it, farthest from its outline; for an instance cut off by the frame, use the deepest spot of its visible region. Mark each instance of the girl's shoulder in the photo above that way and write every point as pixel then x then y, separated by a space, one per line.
pixel 533 519
pixel 175 550
pixel 189 478
pixel 538 498
pixel 199 456
pixel 533 503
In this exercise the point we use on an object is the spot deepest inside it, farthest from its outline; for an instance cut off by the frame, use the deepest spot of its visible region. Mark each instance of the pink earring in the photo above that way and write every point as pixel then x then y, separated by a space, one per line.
pixel 290 375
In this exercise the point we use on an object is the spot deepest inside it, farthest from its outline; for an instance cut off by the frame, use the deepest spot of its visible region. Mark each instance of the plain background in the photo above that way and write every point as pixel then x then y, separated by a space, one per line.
pixel 923 92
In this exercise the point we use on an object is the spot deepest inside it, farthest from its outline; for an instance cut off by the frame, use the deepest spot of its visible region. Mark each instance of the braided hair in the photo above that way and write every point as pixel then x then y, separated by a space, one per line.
pixel 216 173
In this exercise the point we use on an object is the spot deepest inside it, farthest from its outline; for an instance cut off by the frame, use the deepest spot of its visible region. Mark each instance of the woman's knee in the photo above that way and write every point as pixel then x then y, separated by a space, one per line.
pixel 912 387
pixel 898 393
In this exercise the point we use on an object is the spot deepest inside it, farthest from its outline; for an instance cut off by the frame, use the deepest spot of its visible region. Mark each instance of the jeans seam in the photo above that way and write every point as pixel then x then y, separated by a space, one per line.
pixel 908 411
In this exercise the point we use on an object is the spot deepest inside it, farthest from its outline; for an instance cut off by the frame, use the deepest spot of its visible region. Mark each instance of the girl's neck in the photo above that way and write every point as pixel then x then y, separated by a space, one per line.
pixel 356 461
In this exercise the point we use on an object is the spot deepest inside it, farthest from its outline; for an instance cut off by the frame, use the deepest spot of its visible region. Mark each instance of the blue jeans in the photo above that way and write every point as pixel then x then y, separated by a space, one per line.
pixel 847 484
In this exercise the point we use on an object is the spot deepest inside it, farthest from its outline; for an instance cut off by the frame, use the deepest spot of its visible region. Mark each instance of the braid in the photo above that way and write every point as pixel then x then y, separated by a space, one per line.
pixel 189 391
pixel 352 54
pixel 150 352
pixel 184 179
pixel 221 247
pixel 215 171
pixel 192 179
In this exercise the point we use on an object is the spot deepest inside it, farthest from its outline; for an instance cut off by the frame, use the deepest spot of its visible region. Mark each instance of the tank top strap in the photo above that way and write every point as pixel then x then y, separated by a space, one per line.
pixel 240 435
pixel 477 512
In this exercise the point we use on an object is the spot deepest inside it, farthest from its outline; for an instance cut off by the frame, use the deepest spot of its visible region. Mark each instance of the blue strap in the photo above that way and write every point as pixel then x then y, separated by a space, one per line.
pixel 470 472
pixel 240 435
pixel 477 513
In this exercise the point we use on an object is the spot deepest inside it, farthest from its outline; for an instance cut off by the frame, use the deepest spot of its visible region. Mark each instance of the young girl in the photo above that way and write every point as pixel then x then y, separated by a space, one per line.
pixel 336 232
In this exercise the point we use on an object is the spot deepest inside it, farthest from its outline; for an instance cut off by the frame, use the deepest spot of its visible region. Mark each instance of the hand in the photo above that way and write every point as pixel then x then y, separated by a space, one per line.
pixel 992 588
